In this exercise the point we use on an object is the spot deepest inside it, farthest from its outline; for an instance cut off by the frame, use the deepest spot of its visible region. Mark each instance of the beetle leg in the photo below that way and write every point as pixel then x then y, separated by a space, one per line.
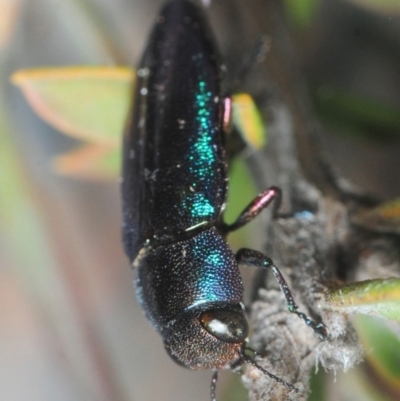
pixel 257 259
pixel 255 207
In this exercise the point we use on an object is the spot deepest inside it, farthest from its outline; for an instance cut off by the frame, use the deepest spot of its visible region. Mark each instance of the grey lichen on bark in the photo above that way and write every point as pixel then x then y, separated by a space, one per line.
pixel 301 246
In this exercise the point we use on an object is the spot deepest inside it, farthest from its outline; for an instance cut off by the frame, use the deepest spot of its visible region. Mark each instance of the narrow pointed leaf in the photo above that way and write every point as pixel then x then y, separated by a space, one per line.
pixel 248 120
pixel 93 162
pixel 88 103
pixel 383 218
pixel 379 297
pixel 382 353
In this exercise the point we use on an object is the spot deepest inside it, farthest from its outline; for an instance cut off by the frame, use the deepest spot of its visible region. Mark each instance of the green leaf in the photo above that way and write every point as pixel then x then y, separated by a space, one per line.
pixel 248 120
pixel 92 162
pixel 383 352
pixel 357 385
pixel 357 115
pixel 318 386
pixel 379 297
pixel 88 103
pixel 384 218
pixel 92 104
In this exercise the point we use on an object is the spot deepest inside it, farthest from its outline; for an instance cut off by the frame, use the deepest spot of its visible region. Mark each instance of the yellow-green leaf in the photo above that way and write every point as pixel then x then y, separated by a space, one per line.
pixel 93 162
pixel 383 218
pixel 88 103
pixel 92 104
pixel 379 297
pixel 383 352
pixel 248 120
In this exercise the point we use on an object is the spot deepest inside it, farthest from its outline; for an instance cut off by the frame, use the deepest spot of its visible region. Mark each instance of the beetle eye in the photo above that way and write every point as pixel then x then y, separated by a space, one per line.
pixel 225 324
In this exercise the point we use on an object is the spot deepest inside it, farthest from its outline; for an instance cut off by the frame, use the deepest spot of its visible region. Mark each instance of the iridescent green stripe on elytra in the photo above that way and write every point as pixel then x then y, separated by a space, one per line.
pixel 202 153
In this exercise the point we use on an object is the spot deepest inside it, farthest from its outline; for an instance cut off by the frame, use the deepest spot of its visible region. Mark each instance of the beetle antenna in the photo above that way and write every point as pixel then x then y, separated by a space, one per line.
pixel 246 358
pixel 214 380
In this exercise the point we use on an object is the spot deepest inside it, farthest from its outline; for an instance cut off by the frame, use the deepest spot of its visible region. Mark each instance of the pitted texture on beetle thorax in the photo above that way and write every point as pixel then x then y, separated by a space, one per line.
pixel 191 274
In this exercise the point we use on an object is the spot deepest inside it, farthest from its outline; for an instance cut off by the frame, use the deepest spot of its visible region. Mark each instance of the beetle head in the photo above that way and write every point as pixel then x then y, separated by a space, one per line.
pixel 207 338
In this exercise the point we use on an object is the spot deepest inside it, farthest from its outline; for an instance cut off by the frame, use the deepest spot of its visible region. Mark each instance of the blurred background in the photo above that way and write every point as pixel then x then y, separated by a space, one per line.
pixel 70 325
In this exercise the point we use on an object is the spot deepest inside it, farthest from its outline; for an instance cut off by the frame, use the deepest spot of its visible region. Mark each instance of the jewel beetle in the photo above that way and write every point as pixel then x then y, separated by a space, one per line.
pixel 174 187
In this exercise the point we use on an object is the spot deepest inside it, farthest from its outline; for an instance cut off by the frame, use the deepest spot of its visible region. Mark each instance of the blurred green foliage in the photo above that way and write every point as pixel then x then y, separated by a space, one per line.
pixel 351 114
pixel 302 12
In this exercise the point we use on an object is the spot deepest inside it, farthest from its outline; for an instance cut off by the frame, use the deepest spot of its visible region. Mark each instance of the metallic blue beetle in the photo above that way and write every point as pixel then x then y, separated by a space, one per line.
pixel 174 191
